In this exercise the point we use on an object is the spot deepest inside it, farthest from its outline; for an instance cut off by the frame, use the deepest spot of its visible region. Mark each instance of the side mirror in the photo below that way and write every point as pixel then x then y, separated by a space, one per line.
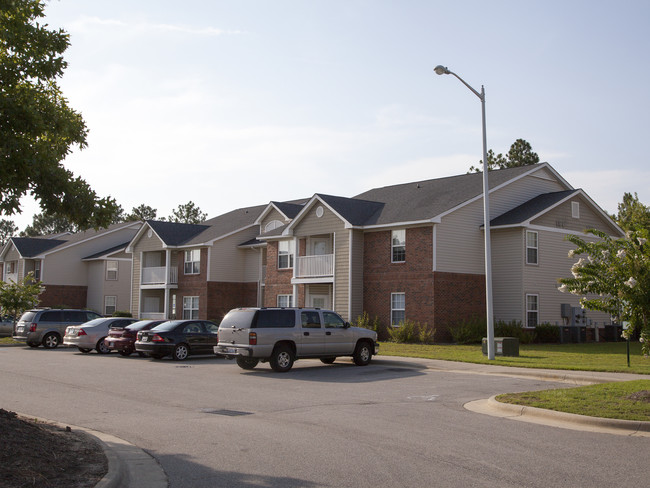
pixel 347 325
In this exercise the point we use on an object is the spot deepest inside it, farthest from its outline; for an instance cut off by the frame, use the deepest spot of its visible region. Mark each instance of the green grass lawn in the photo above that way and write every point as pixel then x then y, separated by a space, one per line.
pixel 604 357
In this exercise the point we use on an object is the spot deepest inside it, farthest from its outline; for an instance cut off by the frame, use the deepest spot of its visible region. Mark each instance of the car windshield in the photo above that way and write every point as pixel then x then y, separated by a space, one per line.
pixel 142 324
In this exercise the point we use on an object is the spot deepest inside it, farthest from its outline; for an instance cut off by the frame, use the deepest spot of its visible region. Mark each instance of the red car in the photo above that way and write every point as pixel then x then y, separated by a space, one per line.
pixel 122 339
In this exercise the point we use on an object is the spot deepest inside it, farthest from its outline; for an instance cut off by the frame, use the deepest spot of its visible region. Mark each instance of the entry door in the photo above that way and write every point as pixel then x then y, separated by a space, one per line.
pixel 320 301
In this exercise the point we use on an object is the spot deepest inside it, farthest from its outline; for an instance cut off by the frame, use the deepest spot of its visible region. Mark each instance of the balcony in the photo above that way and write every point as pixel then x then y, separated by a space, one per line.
pixel 159 275
pixel 315 266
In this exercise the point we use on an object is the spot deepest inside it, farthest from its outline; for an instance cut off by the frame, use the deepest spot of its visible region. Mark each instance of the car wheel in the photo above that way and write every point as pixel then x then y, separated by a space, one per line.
pixel 125 352
pixel 33 344
pixel 85 350
pixel 180 353
pixel 362 354
pixel 327 360
pixel 101 347
pixel 141 354
pixel 157 356
pixel 247 363
pixel 281 359
pixel 51 340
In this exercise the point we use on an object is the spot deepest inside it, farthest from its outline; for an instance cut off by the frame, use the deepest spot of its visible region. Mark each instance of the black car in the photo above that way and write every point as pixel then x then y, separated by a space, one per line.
pixel 180 338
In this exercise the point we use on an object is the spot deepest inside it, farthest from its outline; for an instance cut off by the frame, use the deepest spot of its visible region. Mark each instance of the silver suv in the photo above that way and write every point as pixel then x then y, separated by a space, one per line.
pixel 47 326
pixel 283 335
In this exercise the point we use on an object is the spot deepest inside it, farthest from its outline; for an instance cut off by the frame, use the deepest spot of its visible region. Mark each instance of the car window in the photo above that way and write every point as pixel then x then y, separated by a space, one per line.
pixel 211 327
pixel 121 323
pixel 27 316
pixel 310 320
pixel 333 320
pixel 51 316
pixel 274 318
pixel 193 328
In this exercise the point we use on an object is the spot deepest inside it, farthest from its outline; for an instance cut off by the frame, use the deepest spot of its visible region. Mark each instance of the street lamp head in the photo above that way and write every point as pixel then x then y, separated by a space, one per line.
pixel 441 70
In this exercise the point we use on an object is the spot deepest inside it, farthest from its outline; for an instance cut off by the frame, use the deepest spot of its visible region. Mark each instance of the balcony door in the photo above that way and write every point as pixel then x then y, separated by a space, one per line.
pixel 320 246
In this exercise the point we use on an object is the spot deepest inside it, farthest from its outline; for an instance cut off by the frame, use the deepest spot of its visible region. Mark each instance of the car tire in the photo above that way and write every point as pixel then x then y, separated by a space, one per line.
pixel 125 352
pixel 247 363
pixel 327 360
pixel 142 354
pixel 85 350
pixel 51 340
pixel 281 359
pixel 101 346
pixel 180 353
pixel 157 356
pixel 362 354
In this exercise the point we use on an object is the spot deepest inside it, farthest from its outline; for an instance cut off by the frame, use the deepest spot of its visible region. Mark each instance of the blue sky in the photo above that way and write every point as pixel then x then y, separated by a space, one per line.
pixel 238 102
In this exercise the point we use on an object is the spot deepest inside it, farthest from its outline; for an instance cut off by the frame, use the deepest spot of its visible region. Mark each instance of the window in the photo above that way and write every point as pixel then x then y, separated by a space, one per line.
pixel 285 254
pixel 37 270
pixel 11 267
pixel 274 224
pixel 575 210
pixel 531 247
pixel 397 308
pixel 532 310
pixel 111 270
pixel 310 320
pixel 190 308
pixel 193 261
pixel 285 300
pixel 333 321
pixel 398 246
pixel 110 305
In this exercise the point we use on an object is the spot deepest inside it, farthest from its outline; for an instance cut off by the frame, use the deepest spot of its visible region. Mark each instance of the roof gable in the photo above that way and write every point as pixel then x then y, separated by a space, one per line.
pixel 29 247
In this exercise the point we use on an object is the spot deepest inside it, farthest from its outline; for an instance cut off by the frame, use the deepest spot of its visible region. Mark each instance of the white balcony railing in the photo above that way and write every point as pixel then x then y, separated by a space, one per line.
pixel 156 276
pixel 315 266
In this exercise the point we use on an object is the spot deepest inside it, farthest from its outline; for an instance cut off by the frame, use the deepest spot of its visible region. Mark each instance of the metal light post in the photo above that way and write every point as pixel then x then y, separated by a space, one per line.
pixel 441 70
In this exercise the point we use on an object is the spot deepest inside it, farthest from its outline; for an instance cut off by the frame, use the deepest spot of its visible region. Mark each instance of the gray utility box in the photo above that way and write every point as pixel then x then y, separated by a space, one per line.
pixel 503 346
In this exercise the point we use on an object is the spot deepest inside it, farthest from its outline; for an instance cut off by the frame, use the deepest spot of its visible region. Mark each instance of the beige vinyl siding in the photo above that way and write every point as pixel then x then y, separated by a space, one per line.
pixel 342 273
pixel 507 282
pixel 143 244
pixel 356 284
pixel 310 224
pixel 560 217
pixel 95 291
pixel 230 263
pixel 272 215
pixel 12 255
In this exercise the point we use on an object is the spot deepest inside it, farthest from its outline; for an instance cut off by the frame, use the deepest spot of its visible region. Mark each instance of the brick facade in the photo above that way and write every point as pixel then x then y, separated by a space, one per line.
pixel 278 281
pixel 64 296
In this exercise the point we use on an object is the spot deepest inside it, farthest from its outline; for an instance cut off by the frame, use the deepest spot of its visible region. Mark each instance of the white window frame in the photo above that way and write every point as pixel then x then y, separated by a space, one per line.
pixel 110 301
pixel 284 301
pixel 532 308
pixel 575 210
pixel 532 247
pixel 393 308
pixel 397 241
pixel 110 270
pixel 190 308
pixel 286 249
pixel 272 225
pixel 37 270
pixel 192 262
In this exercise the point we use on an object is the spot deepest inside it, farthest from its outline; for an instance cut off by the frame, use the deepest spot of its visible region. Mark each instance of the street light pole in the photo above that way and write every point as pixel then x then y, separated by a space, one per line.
pixel 442 70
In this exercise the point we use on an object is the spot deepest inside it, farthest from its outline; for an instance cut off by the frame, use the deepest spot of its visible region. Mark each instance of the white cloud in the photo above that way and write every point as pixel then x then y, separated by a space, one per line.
pixel 88 24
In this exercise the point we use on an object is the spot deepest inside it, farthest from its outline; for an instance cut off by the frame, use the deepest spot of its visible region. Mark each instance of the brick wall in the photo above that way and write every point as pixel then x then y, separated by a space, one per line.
pixel 278 281
pixel 192 285
pixel 224 296
pixel 67 296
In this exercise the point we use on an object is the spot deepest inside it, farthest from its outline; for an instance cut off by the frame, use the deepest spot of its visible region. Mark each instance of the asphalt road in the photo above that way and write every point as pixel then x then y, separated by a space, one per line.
pixel 389 424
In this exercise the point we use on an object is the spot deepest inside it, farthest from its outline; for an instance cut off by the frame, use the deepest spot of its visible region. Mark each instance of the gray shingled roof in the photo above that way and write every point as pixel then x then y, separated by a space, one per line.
pixel 29 247
pixel 424 200
pixel 529 209
pixel 175 233
pixel 288 208
pixel 353 210
pixel 120 247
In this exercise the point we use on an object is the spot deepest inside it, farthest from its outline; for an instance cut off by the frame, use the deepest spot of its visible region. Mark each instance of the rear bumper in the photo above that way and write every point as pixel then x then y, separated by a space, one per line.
pixel 233 350
pixel 119 344
pixel 152 348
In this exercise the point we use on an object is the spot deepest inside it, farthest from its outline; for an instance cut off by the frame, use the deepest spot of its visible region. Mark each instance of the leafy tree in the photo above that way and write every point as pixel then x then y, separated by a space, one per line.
pixel 142 212
pixel 46 223
pixel 614 277
pixel 15 298
pixel 520 154
pixel 7 229
pixel 632 214
pixel 37 127
pixel 188 214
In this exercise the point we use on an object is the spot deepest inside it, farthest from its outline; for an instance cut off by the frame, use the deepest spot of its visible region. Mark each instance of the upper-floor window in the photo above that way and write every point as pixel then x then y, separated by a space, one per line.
pixel 286 250
pixel 193 261
pixel 10 267
pixel 532 249
pixel 37 270
pixel 575 210
pixel 111 270
pixel 398 246
pixel 274 224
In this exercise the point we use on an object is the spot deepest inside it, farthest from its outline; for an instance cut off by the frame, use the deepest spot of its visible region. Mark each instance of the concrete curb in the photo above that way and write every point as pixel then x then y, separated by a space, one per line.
pixel 128 465
pixel 627 427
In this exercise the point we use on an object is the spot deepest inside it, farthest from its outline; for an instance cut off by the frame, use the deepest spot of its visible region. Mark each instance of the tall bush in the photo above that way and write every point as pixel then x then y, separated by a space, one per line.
pixel 410 332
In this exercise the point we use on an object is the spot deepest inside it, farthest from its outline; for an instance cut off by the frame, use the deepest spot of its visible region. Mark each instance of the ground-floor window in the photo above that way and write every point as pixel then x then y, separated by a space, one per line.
pixel 285 300
pixel 532 310
pixel 397 308
pixel 110 305
pixel 190 308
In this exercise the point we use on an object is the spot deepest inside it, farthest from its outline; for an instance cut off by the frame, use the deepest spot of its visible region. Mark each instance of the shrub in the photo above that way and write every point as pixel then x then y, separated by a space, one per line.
pixel 121 313
pixel 469 332
pixel 410 332
pixel 547 333
pixel 383 334
pixel 513 329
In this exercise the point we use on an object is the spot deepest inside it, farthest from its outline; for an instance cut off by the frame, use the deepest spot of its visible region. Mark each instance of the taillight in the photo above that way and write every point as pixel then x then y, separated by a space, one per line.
pixel 252 338
pixel 32 328
pixel 157 338
pixel 127 333
pixel 81 332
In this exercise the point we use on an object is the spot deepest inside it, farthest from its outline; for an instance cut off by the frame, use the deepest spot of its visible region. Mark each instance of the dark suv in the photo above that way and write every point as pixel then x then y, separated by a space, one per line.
pixel 47 326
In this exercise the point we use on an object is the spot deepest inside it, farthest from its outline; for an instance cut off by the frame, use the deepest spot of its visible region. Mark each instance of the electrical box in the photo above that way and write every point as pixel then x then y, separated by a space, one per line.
pixel 503 346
